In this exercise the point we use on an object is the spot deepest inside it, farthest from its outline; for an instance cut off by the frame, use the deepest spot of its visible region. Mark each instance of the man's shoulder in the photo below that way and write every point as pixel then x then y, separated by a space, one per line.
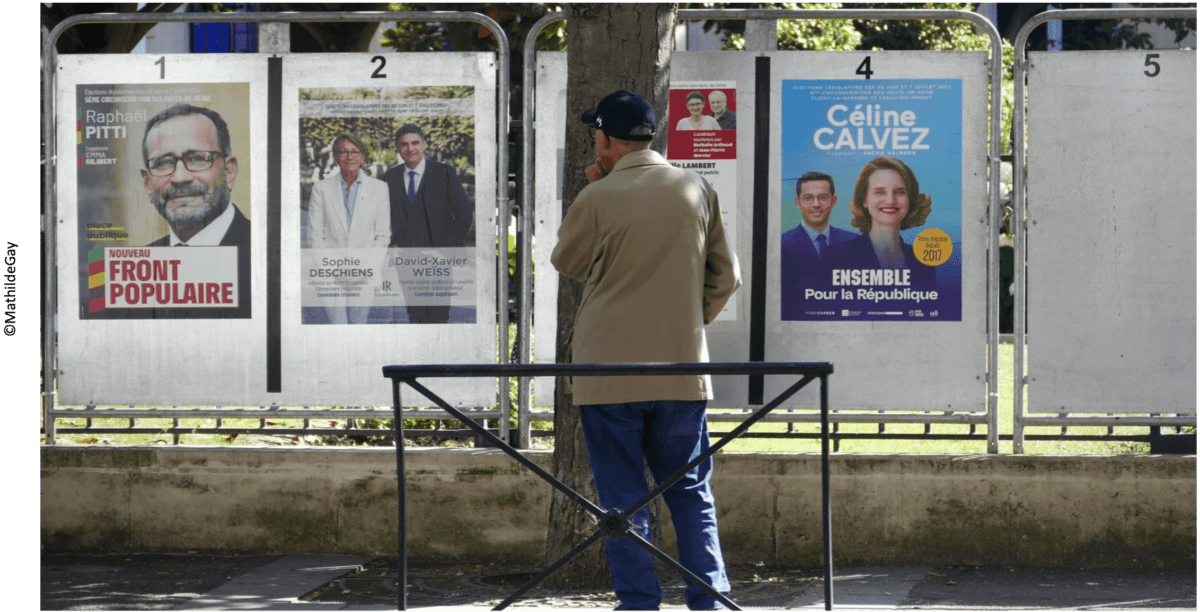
pixel 395 173
pixel 795 239
pixel 837 234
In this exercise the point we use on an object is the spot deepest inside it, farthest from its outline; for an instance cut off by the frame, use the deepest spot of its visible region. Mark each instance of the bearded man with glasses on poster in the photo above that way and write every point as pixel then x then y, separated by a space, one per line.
pixel 189 172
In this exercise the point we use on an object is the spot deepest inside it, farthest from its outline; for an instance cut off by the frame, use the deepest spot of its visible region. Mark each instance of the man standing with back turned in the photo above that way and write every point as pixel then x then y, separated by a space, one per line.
pixel 646 240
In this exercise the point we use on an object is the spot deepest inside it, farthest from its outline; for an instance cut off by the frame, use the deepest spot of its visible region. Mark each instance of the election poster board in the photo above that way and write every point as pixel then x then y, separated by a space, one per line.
pixel 228 320
pixel 725 158
pixel 876 318
pixel 1111 233
pixel 712 154
pixel 406 273
pixel 871 201
pixel 160 151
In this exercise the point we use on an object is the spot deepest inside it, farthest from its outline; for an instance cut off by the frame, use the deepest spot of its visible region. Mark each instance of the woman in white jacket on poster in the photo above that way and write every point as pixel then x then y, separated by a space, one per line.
pixel 349 210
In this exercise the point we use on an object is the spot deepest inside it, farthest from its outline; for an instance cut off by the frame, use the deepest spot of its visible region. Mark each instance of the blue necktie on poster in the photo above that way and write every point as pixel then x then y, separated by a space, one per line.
pixel 412 186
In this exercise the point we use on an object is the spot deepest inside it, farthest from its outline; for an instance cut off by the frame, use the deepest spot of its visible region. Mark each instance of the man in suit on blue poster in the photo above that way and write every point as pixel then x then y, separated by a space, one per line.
pixel 803 263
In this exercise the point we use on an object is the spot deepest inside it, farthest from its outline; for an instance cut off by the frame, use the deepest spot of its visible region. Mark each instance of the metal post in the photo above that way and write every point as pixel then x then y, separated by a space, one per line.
pixel 402 499
pixel 826 503
pixel 612 523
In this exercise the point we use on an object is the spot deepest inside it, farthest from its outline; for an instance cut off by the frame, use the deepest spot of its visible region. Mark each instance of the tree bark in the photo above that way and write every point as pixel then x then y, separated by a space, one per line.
pixel 609 47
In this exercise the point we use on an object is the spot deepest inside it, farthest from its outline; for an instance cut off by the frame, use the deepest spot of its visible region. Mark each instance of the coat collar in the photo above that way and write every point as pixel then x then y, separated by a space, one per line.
pixel 644 157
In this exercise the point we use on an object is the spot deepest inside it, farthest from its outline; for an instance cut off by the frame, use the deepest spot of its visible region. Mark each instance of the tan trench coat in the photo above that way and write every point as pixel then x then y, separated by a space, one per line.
pixel 648 244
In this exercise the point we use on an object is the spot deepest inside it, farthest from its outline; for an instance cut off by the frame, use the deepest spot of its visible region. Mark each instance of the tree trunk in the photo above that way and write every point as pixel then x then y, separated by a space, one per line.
pixel 609 47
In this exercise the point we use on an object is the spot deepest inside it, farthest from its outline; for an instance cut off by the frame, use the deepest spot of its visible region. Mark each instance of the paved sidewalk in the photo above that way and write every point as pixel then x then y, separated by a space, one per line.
pixel 339 582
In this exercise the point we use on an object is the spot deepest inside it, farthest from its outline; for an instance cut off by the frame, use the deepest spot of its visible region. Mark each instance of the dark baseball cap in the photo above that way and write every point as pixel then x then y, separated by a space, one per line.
pixel 623 114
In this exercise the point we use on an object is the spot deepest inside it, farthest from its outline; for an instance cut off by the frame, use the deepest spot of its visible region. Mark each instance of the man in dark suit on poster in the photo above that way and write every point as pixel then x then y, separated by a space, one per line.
pixel 189 171
pixel 803 249
pixel 430 209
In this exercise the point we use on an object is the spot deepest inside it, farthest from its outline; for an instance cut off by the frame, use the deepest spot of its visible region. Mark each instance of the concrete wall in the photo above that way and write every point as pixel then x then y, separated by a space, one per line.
pixel 1126 511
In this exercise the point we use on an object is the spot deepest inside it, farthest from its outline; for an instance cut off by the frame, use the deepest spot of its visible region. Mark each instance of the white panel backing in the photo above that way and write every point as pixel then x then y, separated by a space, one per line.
pixel 1112 232
pixel 550 136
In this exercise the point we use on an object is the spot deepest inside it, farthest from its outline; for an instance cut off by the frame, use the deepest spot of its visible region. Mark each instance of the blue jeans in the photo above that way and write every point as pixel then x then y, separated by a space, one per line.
pixel 666 435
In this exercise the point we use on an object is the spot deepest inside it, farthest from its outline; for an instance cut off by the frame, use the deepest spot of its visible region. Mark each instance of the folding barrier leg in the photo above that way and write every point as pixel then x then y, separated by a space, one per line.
pixel 615 523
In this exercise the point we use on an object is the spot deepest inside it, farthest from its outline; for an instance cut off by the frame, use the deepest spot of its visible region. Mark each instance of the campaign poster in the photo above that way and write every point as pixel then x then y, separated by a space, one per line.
pixel 871 200
pixel 161 166
pixel 702 137
pixel 387 199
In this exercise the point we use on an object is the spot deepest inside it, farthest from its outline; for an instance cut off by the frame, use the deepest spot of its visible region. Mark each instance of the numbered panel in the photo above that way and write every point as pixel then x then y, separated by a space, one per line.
pixel 884 154
pixel 167 149
pixel 1112 232
pixel 408 275
pixel 731 175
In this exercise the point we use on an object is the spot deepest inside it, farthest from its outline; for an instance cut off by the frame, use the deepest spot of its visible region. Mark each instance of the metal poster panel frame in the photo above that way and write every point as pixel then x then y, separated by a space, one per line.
pixel 393 288
pixel 1111 239
pixel 141 322
pixel 912 363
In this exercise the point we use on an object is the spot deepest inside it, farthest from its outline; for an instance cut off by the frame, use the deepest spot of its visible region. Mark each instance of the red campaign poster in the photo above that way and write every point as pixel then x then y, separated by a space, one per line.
pixel 703 123
pixel 702 138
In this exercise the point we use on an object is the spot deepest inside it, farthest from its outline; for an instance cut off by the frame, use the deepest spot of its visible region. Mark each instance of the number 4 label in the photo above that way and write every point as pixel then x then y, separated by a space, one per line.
pixel 865 68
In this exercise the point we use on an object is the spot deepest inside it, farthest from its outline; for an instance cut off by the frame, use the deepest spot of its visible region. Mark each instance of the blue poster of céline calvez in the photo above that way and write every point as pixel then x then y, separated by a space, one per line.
pixel 871 200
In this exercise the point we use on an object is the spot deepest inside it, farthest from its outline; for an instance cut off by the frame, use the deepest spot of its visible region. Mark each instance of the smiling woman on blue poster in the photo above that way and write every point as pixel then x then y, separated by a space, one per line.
pixel 890 249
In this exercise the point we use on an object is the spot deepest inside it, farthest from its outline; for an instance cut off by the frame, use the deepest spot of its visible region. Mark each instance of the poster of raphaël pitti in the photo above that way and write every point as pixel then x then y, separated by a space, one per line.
pixel 161 167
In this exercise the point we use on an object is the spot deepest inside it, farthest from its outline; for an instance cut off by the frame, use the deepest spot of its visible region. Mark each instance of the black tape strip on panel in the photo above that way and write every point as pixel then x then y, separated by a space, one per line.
pixel 274 207
pixel 758 254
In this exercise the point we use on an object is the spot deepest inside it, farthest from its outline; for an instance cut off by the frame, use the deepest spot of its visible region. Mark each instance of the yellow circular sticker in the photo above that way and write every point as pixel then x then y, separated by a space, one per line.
pixel 933 247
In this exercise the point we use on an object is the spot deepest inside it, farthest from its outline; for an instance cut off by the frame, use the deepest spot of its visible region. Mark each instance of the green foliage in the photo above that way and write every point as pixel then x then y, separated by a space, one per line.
pixel 864 35
pixel 819 34
pixel 1112 34
pixel 927 34
pixel 451 138
pixel 516 19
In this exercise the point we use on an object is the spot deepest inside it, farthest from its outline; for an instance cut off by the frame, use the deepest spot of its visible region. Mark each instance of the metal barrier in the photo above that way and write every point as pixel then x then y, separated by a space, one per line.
pixel 613 523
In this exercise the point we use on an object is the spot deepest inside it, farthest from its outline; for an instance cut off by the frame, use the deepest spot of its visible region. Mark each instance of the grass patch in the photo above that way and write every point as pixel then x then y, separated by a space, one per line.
pixel 952 447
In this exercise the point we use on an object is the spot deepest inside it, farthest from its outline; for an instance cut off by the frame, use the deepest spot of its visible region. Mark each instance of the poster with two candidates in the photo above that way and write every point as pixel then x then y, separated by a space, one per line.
pixel 871 200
